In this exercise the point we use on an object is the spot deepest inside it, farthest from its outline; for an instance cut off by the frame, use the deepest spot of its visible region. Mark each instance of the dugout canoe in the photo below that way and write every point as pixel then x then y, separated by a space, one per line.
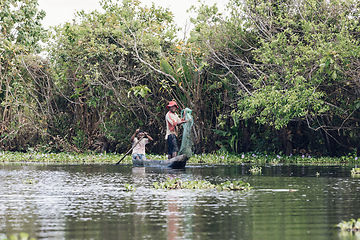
pixel 177 162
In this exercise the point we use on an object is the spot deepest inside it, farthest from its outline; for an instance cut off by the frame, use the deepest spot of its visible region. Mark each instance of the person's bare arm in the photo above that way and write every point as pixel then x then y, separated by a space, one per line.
pixel 134 135
pixel 148 136
pixel 183 121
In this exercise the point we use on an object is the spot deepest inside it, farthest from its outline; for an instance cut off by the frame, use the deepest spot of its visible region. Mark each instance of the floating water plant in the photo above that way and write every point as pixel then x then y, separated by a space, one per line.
pixel 178 184
pixel 201 184
pixel 351 225
pixel 234 185
pixel 21 236
pixel 355 171
pixel 255 169
pixel 129 187
pixel 29 181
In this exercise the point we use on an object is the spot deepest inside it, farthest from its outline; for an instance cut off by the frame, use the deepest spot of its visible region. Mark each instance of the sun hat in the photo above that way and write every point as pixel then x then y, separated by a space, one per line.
pixel 172 103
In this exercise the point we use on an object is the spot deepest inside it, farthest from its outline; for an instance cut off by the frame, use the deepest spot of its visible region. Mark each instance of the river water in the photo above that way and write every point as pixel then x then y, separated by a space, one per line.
pixel 90 202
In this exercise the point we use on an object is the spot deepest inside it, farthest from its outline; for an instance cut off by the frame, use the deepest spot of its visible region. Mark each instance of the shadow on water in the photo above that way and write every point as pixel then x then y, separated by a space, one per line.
pixel 90 202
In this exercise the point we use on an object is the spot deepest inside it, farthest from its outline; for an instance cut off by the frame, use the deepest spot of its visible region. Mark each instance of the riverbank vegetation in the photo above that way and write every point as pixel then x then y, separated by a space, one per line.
pixel 197 159
pixel 263 76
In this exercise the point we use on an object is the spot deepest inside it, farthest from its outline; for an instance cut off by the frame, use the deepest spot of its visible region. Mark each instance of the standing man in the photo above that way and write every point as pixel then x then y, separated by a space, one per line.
pixel 172 120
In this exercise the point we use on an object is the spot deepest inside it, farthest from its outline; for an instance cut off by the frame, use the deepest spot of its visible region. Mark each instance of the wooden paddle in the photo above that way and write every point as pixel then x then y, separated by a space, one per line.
pixel 130 150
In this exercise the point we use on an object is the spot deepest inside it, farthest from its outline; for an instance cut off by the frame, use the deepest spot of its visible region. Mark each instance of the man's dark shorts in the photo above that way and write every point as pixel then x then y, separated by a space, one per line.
pixel 172 144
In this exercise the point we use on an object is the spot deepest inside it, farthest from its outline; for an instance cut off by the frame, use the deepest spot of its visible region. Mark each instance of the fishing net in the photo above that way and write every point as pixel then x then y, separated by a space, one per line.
pixel 187 140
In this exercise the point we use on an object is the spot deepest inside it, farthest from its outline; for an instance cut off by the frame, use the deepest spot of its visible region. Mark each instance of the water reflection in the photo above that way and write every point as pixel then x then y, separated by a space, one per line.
pixel 89 202
pixel 172 218
pixel 344 235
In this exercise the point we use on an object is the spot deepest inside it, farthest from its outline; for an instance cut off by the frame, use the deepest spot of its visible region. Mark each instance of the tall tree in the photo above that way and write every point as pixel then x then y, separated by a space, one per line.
pixel 293 65
pixel 21 33
pixel 104 68
pixel 304 63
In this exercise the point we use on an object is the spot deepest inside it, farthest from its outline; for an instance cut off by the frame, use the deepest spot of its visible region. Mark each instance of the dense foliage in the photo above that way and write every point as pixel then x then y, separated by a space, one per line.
pixel 20 34
pixel 267 76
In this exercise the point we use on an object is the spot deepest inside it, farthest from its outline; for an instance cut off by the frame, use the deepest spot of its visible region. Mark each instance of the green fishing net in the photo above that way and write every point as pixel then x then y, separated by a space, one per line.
pixel 187 139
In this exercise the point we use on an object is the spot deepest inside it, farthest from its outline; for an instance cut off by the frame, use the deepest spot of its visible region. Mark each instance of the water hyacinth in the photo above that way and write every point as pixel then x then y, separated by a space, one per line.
pixel 29 181
pixel 20 236
pixel 176 183
pixel 129 187
pixel 352 225
pixel 355 171
pixel 255 169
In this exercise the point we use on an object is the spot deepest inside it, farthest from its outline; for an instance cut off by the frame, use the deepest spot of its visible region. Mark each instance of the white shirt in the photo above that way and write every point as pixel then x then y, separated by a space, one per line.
pixel 140 147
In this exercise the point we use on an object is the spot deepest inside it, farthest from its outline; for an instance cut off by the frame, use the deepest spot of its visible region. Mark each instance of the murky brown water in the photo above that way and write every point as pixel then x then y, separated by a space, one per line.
pixel 89 202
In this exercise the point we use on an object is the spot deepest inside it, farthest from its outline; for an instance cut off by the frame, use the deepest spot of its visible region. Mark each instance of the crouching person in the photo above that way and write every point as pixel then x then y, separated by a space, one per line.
pixel 139 139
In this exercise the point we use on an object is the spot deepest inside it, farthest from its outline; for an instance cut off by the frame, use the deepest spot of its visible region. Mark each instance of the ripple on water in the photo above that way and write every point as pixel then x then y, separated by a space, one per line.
pixel 69 202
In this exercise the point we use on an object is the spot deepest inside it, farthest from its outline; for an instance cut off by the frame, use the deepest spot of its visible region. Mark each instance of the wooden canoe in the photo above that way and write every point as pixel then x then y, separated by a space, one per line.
pixel 177 162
